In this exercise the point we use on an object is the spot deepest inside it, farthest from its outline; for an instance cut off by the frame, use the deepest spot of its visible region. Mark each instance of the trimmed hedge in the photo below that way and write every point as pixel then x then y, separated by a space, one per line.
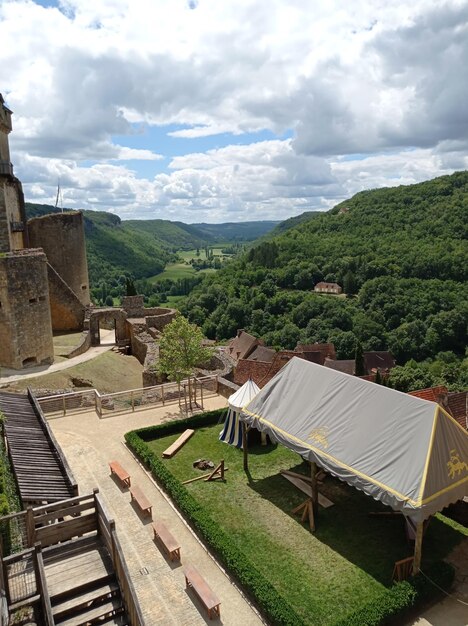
pixel 391 603
pixel 401 597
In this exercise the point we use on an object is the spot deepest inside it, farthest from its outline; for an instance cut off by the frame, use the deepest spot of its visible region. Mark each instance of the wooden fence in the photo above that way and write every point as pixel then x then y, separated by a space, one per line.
pixel 190 394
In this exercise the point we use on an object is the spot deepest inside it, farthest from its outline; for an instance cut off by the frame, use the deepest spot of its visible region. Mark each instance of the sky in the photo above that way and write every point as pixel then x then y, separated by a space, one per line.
pixel 215 111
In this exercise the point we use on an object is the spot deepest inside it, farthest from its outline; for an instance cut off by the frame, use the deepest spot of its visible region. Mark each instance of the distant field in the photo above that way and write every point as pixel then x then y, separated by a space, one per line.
pixel 175 271
pixel 188 255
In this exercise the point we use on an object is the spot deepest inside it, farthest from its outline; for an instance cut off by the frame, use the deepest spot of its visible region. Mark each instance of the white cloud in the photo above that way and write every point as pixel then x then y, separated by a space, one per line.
pixel 370 78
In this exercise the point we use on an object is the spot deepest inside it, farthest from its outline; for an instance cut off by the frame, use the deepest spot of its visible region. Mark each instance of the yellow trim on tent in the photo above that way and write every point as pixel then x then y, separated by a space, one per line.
pixel 428 456
pixel 444 490
pixel 329 456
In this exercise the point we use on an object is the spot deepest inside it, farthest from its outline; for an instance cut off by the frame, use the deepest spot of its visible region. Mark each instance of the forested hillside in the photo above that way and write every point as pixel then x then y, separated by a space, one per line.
pixel 141 248
pixel 400 254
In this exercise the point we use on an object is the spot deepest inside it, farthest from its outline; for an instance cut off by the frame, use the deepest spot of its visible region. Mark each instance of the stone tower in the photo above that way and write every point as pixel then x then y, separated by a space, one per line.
pixel 13 231
pixel 25 321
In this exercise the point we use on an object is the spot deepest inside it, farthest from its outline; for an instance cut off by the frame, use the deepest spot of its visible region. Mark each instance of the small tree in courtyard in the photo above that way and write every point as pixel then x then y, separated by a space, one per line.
pixel 181 350
pixel 359 368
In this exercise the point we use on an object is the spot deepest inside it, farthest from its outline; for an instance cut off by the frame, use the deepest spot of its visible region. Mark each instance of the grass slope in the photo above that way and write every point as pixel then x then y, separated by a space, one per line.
pixel 108 373
pixel 325 576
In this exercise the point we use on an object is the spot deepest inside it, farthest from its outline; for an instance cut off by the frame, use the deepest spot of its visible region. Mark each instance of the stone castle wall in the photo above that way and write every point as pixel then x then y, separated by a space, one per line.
pixel 61 236
pixel 66 311
pixel 12 216
pixel 25 322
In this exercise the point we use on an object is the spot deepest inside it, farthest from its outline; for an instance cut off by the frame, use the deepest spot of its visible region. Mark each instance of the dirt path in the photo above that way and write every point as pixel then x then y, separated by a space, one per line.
pixel 90 444
pixel 11 376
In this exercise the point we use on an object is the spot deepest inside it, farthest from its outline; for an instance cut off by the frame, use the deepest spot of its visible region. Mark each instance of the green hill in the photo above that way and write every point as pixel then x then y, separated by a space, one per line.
pixel 142 248
pixel 402 251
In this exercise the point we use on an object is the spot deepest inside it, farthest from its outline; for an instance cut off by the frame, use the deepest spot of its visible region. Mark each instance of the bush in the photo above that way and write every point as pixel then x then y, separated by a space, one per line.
pixel 389 604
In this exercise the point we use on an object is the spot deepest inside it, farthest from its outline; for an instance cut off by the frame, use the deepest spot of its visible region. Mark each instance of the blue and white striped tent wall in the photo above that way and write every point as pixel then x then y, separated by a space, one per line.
pixel 232 431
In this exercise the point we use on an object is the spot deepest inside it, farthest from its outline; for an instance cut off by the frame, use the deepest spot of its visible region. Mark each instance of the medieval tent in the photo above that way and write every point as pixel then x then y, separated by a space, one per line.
pixel 232 431
pixel 406 452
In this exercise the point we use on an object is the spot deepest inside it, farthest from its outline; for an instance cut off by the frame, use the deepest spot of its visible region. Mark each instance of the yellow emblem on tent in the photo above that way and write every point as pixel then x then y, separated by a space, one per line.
pixel 319 435
pixel 455 465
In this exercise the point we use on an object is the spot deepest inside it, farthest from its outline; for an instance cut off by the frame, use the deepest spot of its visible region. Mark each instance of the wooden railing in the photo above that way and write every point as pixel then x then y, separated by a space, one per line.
pixel 192 393
pixel 52 524
pixel 109 537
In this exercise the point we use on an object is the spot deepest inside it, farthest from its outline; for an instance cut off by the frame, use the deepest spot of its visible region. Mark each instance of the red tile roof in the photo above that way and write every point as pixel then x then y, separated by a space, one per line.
pixel 432 393
pixel 458 405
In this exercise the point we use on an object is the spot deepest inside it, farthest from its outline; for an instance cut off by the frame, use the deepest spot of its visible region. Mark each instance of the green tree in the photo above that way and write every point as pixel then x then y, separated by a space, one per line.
pixel 359 368
pixel 181 350
pixel 130 287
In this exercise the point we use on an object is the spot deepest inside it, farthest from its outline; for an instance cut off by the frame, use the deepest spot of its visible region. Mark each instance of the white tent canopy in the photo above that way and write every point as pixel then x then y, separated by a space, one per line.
pixel 232 431
pixel 240 398
pixel 407 452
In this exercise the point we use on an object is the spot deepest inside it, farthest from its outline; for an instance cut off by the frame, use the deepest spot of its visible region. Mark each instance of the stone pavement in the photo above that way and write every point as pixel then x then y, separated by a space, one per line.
pixel 89 445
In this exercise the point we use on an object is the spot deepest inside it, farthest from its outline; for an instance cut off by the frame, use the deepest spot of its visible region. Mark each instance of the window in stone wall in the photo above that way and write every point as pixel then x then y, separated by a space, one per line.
pixel 32 300
pixel 84 287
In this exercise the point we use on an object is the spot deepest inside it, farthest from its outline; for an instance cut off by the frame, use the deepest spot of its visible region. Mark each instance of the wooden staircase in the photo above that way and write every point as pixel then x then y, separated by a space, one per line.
pixel 83 588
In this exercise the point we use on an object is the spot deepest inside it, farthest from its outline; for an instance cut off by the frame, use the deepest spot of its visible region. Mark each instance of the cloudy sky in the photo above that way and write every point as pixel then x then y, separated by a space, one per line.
pixel 215 110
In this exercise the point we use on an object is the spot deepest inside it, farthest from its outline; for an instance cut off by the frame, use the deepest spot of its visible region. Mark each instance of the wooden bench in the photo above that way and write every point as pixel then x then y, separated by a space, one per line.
pixel 204 593
pixel 141 500
pixel 167 540
pixel 119 471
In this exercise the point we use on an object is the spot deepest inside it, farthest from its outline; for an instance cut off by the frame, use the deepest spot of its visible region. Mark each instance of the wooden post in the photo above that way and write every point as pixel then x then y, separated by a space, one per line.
pixel 313 486
pixel 244 447
pixel 201 394
pixel 30 527
pixel 222 469
pixel 64 405
pixel 162 394
pixel 418 548
pixel 133 401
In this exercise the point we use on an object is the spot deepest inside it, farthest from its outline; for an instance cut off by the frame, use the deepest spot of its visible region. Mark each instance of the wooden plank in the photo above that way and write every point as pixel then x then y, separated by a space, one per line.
pixel 305 488
pixel 177 445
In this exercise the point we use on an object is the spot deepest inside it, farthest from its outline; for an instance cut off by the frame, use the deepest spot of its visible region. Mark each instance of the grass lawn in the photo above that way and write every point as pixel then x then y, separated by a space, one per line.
pixel 64 343
pixel 108 372
pixel 326 575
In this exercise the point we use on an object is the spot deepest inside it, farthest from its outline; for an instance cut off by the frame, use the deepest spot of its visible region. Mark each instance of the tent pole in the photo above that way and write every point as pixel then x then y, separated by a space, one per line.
pixel 418 548
pixel 244 447
pixel 313 486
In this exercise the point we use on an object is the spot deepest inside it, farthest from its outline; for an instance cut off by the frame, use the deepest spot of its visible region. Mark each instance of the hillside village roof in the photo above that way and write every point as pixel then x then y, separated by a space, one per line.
pixel 347 366
pixel 325 349
pixel 262 353
pixel 381 360
pixel 242 345
pixel 458 405
pixel 406 452
pixel 433 394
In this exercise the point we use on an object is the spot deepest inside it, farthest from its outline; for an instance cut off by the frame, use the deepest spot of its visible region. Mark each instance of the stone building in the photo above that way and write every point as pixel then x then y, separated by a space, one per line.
pixel 25 321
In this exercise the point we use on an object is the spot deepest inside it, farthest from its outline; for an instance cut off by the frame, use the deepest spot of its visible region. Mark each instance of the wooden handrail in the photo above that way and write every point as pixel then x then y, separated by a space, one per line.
pixel 42 586
pixel 50 435
pixel 128 590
